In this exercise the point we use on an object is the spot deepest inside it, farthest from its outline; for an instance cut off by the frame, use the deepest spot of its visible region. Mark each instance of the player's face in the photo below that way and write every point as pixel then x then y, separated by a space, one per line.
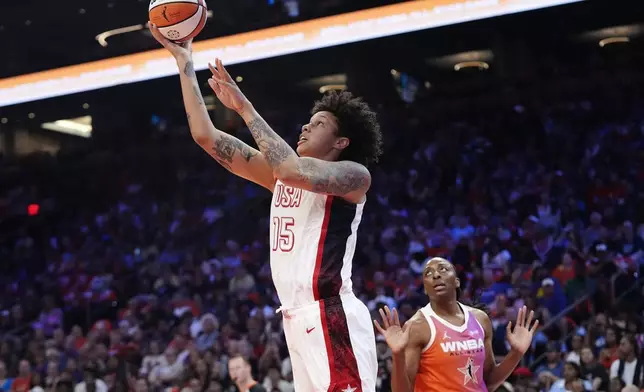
pixel 319 137
pixel 439 278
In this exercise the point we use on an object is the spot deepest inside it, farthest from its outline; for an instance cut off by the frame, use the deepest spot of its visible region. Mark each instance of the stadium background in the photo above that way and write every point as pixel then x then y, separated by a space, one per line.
pixel 119 247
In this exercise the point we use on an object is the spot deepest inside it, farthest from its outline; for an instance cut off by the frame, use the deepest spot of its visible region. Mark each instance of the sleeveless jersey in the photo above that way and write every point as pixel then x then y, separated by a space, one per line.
pixel 454 357
pixel 312 239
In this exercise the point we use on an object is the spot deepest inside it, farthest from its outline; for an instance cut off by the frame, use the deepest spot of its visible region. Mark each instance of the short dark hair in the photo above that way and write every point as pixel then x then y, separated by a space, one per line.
pixel 357 122
pixel 243 358
pixel 576 367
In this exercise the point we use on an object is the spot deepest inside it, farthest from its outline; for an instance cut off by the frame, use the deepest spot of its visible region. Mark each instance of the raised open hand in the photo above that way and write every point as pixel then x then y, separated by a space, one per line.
pixel 226 89
pixel 397 337
pixel 520 337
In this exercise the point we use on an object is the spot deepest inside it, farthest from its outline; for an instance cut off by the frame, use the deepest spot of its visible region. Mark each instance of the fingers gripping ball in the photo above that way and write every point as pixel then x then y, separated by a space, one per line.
pixel 179 20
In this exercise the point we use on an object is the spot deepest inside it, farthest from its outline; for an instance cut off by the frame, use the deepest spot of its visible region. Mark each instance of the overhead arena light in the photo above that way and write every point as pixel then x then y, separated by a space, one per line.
pixel 613 35
pixel 614 40
pixel 481 65
pixel 331 87
pixel 458 61
pixel 81 126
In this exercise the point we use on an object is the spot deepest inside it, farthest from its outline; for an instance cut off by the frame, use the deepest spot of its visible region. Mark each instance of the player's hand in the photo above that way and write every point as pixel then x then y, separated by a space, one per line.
pixel 226 89
pixel 397 337
pixel 178 50
pixel 520 338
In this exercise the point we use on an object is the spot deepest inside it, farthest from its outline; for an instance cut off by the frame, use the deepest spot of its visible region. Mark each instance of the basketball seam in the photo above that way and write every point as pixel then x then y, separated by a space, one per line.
pixel 176 2
pixel 193 14
pixel 203 19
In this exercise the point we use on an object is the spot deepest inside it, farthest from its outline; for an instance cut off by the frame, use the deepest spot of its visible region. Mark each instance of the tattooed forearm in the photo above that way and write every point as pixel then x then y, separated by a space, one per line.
pixel 226 147
pixel 274 148
pixel 341 178
pixel 198 94
pixel 189 69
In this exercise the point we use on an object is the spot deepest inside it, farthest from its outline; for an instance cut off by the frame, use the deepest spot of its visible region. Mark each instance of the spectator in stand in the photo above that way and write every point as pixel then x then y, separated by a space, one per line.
pixel 22 383
pixel 552 299
pixel 240 373
pixel 596 232
pixel 51 317
pixel 565 271
pixel 593 371
pixel 610 348
pixel 553 369
pixel 629 368
pixel 274 382
pixel 574 354
pixel 169 369
pixel 571 380
pixel 208 335
pixel 91 382
pixel 5 382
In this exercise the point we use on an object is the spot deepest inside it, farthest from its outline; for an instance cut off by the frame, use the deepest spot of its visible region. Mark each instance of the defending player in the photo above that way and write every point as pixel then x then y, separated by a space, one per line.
pixel 318 197
pixel 447 346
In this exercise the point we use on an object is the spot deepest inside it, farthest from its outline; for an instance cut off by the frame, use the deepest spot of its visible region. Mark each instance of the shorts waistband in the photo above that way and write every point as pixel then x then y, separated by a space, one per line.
pixel 292 312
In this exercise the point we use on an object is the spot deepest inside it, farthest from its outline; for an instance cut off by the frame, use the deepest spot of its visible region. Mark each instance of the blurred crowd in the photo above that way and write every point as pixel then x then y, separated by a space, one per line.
pixel 146 269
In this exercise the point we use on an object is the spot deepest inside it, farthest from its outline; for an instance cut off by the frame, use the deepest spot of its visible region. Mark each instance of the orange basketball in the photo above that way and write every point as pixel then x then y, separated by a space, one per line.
pixel 179 20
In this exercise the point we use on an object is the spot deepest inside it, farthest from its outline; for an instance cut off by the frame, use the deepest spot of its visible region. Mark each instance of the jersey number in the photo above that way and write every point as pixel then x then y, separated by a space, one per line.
pixel 283 236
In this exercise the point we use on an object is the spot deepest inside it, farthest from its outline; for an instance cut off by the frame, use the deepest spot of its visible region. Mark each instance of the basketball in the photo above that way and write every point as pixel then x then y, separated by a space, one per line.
pixel 179 21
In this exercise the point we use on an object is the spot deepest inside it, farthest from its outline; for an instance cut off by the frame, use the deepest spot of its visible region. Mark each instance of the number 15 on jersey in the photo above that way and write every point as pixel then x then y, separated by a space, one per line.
pixel 283 236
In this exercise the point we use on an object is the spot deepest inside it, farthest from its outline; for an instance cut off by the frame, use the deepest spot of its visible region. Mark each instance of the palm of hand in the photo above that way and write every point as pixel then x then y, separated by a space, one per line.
pixel 520 338
pixel 396 338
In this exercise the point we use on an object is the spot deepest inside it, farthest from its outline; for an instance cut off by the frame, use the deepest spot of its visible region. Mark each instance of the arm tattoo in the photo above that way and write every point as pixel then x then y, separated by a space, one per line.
pixel 340 179
pixel 198 94
pixel 225 148
pixel 274 148
pixel 189 69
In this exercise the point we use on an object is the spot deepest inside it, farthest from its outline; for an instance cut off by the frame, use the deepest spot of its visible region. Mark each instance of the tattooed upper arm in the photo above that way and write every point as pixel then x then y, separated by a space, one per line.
pixel 343 179
pixel 240 159
pixel 225 148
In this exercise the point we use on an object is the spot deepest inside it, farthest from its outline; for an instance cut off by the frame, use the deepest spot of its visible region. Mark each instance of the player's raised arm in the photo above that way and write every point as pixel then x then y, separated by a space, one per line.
pixel 406 347
pixel 346 179
pixel 233 154
pixel 518 336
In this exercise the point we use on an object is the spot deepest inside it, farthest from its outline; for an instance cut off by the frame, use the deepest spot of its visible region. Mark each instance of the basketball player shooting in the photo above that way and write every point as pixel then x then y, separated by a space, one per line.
pixel 447 346
pixel 318 197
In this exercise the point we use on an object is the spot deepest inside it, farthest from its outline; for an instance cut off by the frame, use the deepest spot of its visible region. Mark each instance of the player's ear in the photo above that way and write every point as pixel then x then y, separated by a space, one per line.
pixel 342 142
pixel 458 283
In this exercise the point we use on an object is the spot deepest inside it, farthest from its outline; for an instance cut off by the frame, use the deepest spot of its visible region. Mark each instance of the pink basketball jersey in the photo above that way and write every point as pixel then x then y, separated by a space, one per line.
pixel 454 357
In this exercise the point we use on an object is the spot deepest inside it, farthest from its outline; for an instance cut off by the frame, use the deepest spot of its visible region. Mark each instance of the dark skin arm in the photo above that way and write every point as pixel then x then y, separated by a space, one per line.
pixel 519 338
pixel 345 179
pixel 406 345
pixel 419 336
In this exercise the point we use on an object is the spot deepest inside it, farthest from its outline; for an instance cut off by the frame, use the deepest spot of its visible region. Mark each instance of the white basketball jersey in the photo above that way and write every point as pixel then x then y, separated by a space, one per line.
pixel 313 239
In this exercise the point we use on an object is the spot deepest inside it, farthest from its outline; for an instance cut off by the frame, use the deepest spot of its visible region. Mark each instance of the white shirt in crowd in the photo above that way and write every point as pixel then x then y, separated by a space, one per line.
pixel 629 372
pixel 283 385
pixel 100 386
pixel 573 357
